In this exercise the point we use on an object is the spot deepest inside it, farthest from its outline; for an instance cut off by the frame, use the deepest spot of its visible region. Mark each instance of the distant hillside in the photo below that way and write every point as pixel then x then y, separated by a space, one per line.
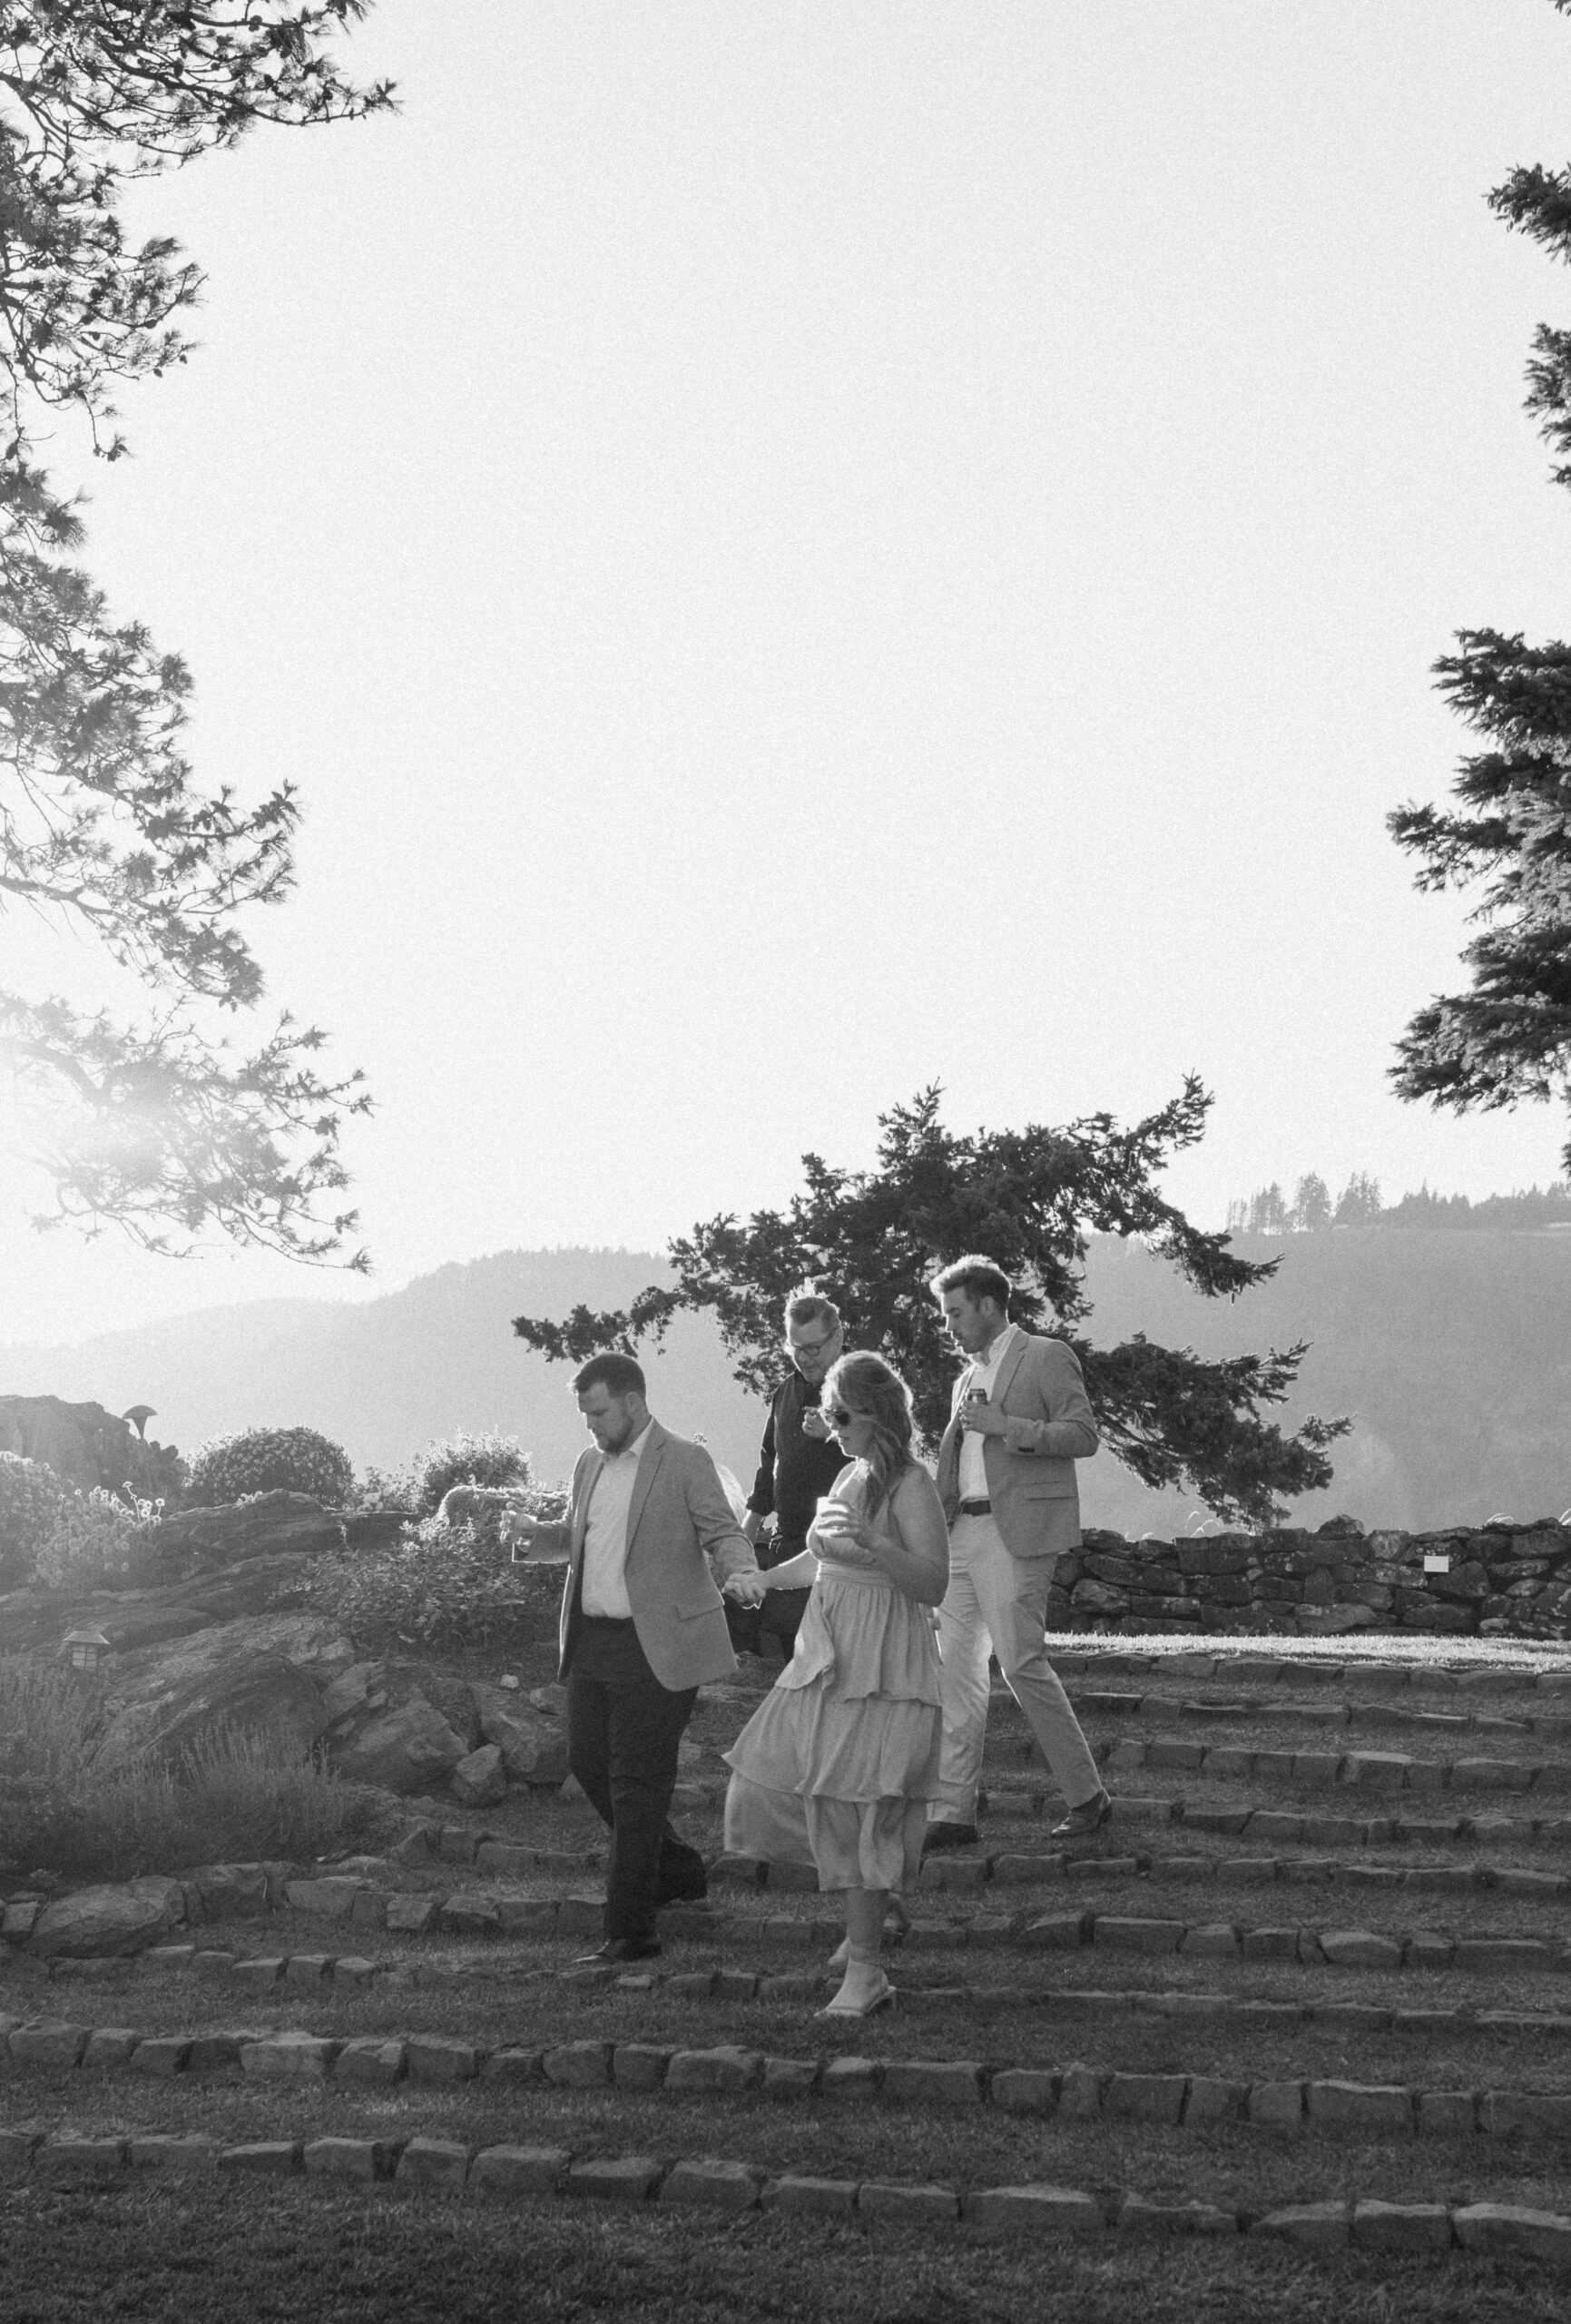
pixel 385 1376
pixel 1451 1352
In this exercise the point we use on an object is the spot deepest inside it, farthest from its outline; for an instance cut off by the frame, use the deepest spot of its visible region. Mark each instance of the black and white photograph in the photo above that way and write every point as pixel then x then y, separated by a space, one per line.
pixel 785 1161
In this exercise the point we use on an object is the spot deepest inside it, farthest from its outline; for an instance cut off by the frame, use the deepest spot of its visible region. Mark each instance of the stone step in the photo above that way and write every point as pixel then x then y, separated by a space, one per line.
pixel 1066 1928
pixel 507 1894
pixel 1360 1771
pixel 1010 1868
pixel 1339 1711
pixel 1547 1675
pixel 533 2174
pixel 1231 2012
pixel 1172 2098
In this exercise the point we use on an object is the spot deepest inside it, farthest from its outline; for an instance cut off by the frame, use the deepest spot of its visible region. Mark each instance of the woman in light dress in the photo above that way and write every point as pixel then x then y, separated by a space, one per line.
pixel 837 1764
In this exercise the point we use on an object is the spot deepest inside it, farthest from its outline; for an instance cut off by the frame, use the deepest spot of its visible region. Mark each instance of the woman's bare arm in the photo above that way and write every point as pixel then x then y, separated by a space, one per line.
pixel 918 1559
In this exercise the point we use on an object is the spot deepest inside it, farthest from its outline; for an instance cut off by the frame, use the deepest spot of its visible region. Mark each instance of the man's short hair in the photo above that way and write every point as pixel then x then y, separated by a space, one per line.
pixel 812 1307
pixel 617 1373
pixel 978 1276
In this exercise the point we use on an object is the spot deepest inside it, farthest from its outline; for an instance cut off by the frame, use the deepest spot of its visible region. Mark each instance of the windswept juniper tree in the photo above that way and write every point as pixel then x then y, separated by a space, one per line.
pixel 1029 1198
pixel 1508 1037
pixel 151 1121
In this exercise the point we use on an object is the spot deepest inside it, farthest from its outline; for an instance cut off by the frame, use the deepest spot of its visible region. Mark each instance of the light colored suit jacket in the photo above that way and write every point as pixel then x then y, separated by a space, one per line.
pixel 678 1518
pixel 1031 1467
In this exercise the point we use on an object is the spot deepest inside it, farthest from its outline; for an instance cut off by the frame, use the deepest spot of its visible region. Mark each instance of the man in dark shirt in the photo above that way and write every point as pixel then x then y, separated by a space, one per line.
pixel 800 1460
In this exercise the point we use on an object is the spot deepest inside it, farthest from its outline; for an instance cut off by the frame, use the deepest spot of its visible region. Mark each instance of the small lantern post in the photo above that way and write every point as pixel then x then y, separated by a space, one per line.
pixel 84 1647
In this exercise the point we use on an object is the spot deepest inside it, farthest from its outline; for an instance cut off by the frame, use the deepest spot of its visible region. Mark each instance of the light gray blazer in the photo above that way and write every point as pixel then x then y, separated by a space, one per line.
pixel 678 1518
pixel 1031 1469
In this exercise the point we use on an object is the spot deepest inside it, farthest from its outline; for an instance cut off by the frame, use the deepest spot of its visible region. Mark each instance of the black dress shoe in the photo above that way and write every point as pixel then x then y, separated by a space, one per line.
pixel 617 1949
pixel 940 1836
pixel 1088 1817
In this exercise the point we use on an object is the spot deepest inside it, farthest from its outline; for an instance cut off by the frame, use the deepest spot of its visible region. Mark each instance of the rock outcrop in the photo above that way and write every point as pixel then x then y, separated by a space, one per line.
pixel 195 1541
pixel 88 1446
pixel 265 1674
pixel 203 1567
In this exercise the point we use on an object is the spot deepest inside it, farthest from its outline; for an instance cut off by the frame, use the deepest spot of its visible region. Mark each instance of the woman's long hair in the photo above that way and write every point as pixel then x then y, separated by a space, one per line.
pixel 863 1384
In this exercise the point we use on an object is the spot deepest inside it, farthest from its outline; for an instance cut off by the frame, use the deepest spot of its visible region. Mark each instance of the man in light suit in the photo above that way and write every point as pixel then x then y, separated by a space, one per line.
pixel 1019 1421
pixel 643 1628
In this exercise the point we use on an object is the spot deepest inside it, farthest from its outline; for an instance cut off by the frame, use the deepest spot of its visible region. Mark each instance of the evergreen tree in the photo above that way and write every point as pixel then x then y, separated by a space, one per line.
pixel 1311 1205
pixel 1508 1037
pixel 149 1121
pixel 1268 1211
pixel 1029 1198
pixel 1359 1203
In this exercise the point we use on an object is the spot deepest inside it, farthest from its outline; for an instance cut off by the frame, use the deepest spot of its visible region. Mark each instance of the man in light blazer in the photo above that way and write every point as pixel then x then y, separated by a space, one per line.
pixel 643 1628
pixel 1019 1421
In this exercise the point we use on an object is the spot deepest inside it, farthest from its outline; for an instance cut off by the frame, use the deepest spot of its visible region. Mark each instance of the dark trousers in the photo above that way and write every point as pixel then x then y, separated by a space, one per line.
pixel 782 1610
pixel 623 1732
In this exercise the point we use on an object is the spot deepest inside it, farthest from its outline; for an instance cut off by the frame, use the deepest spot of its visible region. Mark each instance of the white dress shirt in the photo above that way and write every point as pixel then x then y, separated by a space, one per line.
pixel 984 1372
pixel 604 1584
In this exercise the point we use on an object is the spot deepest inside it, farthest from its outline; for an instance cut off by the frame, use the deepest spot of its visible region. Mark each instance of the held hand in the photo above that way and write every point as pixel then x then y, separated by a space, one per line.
pixel 747 1589
pixel 983 1418
pixel 815 1425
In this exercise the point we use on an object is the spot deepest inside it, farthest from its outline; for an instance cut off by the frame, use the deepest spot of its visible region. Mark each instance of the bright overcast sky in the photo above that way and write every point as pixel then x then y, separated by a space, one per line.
pixel 799 551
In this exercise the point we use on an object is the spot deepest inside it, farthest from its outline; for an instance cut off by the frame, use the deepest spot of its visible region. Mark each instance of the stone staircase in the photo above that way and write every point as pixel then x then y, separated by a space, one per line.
pixel 1311 1986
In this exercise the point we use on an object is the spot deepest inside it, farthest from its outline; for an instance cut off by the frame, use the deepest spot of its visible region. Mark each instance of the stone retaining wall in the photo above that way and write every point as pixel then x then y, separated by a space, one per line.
pixel 1498 1580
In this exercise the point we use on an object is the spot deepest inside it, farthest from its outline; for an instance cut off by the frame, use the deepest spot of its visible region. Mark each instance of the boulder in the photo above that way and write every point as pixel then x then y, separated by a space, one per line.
pixel 405 1747
pixel 263 1694
pixel 33 1620
pixel 271 1524
pixel 201 1568
pixel 261 1675
pixel 359 1688
pixel 93 1922
pixel 452 1696
pixel 534 1746
pixel 478 1780
pixel 231 1892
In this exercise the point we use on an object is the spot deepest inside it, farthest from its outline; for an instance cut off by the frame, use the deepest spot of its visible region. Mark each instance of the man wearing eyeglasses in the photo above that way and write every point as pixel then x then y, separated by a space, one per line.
pixel 798 1461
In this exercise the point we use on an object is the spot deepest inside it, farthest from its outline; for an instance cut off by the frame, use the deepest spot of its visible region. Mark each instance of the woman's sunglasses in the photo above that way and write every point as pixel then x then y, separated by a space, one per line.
pixel 837 1415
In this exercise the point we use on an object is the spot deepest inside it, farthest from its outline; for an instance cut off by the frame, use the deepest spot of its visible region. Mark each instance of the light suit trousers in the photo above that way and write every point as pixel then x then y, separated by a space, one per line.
pixel 998 1604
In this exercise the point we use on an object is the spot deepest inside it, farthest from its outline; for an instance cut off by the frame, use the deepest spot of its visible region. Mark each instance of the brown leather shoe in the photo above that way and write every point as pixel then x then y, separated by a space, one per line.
pixel 1082 1821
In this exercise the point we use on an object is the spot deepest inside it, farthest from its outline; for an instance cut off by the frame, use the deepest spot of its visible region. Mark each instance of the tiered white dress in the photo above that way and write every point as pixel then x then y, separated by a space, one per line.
pixel 837 1766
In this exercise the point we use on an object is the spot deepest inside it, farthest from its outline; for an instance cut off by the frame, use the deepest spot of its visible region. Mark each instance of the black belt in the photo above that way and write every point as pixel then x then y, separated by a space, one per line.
pixel 976 1509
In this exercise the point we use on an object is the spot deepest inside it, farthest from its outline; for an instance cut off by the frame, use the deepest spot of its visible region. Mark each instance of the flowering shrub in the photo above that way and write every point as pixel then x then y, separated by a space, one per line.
pixel 94 1541
pixel 271 1459
pixel 377 1489
pixel 30 1500
pixel 462 1459
pixel 441 1586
